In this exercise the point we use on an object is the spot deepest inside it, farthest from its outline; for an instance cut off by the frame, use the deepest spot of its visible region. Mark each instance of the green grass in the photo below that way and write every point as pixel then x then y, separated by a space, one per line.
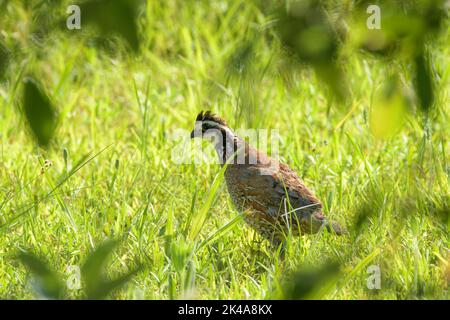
pixel 117 114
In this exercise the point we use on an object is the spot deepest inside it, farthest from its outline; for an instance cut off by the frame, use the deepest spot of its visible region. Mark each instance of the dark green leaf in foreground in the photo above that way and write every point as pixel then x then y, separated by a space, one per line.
pixel 424 82
pixel 47 282
pixel 113 17
pixel 305 30
pixel 92 268
pixel 4 60
pixel 39 112
pixel 308 35
pixel 309 283
pixel 97 286
pixel 405 26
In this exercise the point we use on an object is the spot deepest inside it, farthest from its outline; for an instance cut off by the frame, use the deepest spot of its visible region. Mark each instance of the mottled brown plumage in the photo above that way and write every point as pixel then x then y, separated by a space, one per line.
pixel 271 195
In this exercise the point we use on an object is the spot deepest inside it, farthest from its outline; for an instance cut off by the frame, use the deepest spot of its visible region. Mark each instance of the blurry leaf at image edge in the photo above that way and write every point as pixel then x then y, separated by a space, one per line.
pixel 113 17
pixel 47 282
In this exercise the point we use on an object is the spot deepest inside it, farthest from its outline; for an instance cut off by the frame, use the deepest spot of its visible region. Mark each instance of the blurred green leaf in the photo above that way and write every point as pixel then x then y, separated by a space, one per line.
pixel 378 42
pixel 47 282
pixel 108 286
pixel 423 84
pixel 39 112
pixel 4 60
pixel 434 13
pixel 306 32
pixel 113 17
pixel 311 283
pixel 405 26
pixel 94 265
pixel 97 286
pixel 388 109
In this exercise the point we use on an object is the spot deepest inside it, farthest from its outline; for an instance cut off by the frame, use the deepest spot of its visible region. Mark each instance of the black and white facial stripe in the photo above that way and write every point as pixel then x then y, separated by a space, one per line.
pixel 224 139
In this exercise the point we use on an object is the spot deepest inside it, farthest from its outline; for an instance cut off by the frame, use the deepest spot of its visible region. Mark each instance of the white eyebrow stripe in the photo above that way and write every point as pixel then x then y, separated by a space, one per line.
pixel 211 123
pixel 218 126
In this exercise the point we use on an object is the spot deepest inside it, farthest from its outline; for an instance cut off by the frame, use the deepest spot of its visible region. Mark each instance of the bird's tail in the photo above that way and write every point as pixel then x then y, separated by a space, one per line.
pixel 335 227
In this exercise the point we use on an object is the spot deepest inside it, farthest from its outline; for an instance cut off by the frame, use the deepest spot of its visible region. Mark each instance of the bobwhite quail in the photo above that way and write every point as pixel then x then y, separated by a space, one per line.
pixel 271 195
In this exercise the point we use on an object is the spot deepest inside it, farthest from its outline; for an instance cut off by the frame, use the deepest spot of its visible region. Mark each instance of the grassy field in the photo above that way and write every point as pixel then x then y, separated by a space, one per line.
pixel 112 175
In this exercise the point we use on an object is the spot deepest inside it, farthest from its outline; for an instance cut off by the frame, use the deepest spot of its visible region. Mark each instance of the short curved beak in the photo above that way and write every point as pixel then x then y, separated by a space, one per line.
pixel 192 134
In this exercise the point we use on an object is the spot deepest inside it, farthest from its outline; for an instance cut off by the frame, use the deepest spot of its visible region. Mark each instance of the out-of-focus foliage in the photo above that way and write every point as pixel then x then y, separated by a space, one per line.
pixel 4 59
pixel 406 26
pixel 39 112
pixel 101 21
pixel 310 282
pixel 424 81
pixel 48 284
pixel 97 285
pixel 389 107
pixel 322 34
pixel 116 17
pixel 301 33
pixel 307 33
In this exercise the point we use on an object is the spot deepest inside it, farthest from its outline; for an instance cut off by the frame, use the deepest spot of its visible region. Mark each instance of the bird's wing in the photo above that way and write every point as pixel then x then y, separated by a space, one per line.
pixel 279 188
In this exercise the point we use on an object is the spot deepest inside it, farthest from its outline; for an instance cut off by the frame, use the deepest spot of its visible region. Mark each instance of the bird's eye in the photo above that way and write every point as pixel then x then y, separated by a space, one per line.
pixel 206 126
